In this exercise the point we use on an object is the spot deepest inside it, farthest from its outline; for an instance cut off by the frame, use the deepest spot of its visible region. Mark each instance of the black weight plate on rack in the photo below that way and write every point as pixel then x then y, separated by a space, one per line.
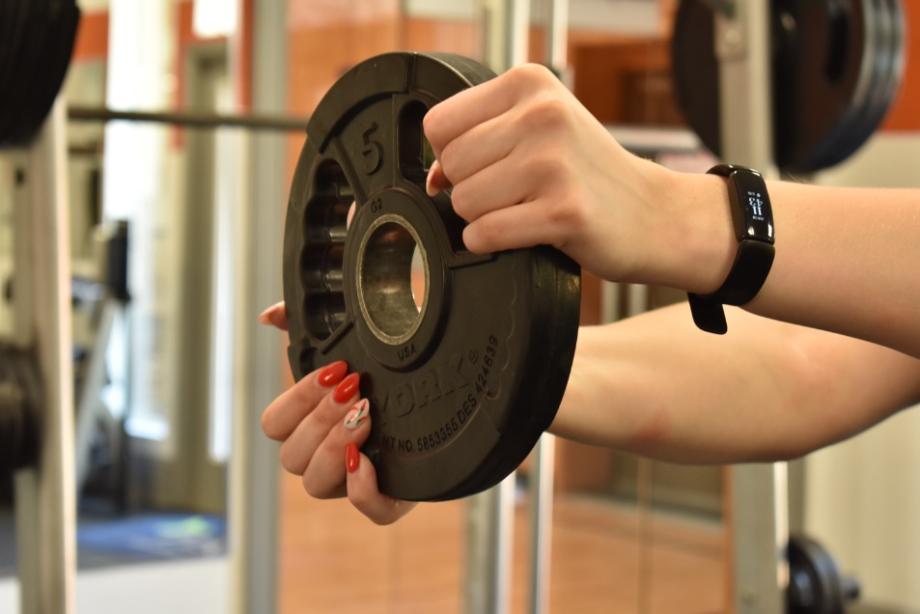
pixel 888 71
pixel 460 392
pixel 17 18
pixel 823 76
pixel 815 581
pixel 62 25
pixel 40 66
pixel 19 402
pixel 26 70
pixel 695 71
pixel 857 125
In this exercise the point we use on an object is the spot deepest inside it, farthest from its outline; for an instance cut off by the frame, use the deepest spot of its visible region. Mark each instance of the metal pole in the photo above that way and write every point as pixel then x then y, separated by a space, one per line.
pixel 269 122
pixel 490 531
pixel 254 471
pixel 541 527
pixel 557 35
pixel 758 492
pixel 45 496
pixel 490 528
pixel 541 496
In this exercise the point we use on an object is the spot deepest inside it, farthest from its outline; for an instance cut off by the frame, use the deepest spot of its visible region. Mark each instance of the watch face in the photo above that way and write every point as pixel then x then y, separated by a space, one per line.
pixel 757 216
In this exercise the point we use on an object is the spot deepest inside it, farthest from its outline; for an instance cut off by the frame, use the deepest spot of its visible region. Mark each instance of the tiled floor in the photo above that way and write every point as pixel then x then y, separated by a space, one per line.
pixel 182 587
pixel 335 561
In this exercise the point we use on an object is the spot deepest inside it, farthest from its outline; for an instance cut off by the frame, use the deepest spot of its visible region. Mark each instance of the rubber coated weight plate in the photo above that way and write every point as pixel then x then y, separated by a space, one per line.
pixel 815 584
pixel 37 56
pixel 839 47
pixel 695 71
pixel 18 409
pixel 889 62
pixel 464 374
pixel 63 27
pixel 835 73
pixel 30 71
pixel 10 52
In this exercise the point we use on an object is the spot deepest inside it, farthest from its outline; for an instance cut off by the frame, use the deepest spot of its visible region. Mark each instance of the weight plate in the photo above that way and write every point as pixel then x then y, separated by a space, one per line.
pixel 40 56
pixel 18 18
pixel 30 70
pixel 815 584
pixel 63 23
pixel 836 68
pixel 888 70
pixel 18 409
pixel 695 71
pixel 463 378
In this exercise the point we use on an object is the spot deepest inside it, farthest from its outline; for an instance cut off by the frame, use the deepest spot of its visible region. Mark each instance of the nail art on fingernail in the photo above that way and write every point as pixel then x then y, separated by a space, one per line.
pixel 352 457
pixel 332 374
pixel 347 388
pixel 357 415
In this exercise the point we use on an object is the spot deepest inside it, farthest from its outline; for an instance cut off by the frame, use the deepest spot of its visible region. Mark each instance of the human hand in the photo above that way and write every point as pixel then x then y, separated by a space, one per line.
pixel 529 165
pixel 322 423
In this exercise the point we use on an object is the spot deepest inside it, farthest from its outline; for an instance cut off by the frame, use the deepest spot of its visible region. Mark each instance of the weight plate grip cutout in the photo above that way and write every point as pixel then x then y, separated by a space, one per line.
pixel 463 375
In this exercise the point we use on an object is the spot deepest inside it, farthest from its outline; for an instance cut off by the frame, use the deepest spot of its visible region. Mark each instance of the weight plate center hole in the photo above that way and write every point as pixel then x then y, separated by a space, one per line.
pixel 393 279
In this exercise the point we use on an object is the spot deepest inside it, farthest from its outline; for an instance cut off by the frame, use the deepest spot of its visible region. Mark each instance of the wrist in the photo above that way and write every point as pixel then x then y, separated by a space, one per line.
pixel 699 240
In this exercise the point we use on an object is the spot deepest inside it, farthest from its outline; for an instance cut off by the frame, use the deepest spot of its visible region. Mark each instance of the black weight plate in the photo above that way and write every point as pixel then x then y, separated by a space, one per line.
pixel 695 71
pixel 26 70
pixel 460 393
pixel 54 33
pixel 854 128
pixel 40 67
pixel 887 65
pixel 19 400
pixel 17 17
pixel 811 566
pixel 63 23
pixel 823 78
pixel 877 57
pixel 857 45
pixel 29 69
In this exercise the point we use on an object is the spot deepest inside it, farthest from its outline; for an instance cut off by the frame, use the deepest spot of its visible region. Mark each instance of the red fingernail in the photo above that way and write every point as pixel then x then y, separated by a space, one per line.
pixel 347 389
pixel 352 457
pixel 333 374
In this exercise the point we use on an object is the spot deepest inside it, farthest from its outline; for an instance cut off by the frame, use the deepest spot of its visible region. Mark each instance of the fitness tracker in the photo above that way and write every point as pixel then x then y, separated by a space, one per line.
pixel 752 218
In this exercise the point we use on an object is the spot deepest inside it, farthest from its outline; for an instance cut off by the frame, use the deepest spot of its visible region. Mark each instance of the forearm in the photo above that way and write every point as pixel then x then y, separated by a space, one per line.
pixel 847 260
pixel 657 386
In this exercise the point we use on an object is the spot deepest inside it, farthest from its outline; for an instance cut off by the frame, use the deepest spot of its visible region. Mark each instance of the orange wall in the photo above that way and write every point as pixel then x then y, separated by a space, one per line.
pixel 92 37
pixel 903 116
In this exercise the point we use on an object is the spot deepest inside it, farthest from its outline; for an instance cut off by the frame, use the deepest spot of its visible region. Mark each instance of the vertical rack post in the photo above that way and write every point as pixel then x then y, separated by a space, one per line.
pixel 46 495
pixel 758 493
pixel 254 473
pixel 541 494
pixel 490 515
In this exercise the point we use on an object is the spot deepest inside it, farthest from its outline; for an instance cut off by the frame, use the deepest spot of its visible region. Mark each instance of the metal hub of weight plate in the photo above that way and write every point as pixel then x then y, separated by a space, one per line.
pixel 837 66
pixel 35 49
pixel 464 370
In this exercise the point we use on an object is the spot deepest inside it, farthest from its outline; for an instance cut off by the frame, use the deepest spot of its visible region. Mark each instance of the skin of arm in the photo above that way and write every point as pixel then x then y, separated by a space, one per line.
pixel 657 386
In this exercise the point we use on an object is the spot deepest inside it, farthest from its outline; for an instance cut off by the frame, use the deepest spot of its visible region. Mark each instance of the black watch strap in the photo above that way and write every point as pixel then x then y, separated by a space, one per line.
pixel 752 217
